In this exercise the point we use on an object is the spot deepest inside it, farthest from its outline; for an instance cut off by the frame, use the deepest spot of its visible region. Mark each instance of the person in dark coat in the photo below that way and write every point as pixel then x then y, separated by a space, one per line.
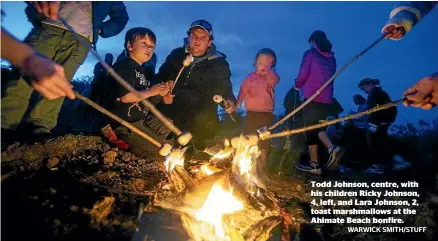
pixel 190 103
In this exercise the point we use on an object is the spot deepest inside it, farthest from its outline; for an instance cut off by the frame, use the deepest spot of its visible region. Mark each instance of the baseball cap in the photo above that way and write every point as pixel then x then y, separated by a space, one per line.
pixel 202 24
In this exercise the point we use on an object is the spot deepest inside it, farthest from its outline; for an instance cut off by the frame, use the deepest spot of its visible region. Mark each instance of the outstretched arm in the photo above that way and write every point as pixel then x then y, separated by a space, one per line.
pixel 46 76
pixel 405 16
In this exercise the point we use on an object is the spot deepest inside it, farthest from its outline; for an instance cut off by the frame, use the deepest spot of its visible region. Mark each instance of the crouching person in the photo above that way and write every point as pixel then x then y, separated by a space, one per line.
pixel 140 45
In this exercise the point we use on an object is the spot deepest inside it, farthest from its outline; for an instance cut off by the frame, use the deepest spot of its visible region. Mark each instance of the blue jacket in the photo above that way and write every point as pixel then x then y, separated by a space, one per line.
pixel 408 14
pixel 115 10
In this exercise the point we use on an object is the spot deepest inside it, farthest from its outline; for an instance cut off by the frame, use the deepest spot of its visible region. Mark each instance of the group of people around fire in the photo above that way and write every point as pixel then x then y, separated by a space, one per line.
pixel 51 54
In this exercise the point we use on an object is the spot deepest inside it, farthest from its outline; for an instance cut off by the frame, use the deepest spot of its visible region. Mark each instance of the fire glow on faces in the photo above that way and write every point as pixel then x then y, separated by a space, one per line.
pixel 142 49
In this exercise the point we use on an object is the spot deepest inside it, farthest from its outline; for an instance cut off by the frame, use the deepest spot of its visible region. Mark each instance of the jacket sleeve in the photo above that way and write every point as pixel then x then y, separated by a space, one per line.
pixel 304 70
pixel 408 14
pixel 117 22
pixel 223 85
pixel 273 78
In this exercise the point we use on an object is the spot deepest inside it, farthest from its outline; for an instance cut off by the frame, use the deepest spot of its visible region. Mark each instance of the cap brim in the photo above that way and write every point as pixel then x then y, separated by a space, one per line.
pixel 200 26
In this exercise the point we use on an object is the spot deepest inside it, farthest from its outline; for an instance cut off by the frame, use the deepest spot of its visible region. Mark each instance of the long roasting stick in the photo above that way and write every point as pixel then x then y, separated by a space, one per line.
pixel 122 82
pixel 345 66
pixel 116 118
pixel 327 123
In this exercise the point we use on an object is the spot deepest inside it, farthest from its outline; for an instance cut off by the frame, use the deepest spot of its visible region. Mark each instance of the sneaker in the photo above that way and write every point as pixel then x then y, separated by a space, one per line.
pixel 310 167
pixel 400 163
pixel 374 169
pixel 343 169
pixel 41 131
pixel 335 158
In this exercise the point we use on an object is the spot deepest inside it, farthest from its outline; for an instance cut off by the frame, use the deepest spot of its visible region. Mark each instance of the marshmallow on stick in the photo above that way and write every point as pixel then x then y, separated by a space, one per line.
pixel 219 100
pixel 189 59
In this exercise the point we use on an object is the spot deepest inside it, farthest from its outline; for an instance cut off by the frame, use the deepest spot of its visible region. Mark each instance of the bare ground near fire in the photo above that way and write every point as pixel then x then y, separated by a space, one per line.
pixel 75 187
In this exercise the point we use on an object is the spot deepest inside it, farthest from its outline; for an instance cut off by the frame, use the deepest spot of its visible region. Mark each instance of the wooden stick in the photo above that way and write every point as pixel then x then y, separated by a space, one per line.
pixel 327 123
pixel 326 83
pixel 123 83
pixel 177 78
pixel 116 118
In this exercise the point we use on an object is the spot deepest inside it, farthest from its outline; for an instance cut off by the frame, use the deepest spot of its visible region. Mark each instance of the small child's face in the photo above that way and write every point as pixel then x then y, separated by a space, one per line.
pixel 142 49
pixel 263 63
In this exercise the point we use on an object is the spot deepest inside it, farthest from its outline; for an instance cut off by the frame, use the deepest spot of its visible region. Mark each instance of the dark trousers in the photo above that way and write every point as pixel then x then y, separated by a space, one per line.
pixel 313 113
pixel 137 144
pixel 380 145
pixel 255 120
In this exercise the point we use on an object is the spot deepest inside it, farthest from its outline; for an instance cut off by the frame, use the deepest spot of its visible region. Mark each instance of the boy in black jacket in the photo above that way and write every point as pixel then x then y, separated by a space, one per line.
pixel 140 45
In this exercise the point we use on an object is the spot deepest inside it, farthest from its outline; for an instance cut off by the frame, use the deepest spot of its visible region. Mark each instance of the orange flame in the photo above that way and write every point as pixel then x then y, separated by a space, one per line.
pixel 175 158
pixel 210 225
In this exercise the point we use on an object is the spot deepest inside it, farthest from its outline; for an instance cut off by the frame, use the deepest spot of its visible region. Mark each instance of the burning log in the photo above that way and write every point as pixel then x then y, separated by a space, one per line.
pixel 262 230
pixel 176 173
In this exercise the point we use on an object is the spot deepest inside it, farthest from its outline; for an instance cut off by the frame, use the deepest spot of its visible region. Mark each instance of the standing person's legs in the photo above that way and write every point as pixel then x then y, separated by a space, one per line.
pixel 312 113
pixel 381 157
pixel 70 54
pixel 253 121
pixel 17 93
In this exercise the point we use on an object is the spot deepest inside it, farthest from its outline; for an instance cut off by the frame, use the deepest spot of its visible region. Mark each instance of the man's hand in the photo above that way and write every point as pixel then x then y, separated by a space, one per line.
pixel 394 32
pixel 231 107
pixel 423 94
pixel 46 77
pixel 49 8
pixel 157 89
pixel 168 99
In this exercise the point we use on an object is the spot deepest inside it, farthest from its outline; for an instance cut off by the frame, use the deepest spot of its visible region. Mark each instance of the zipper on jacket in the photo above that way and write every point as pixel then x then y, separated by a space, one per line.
pixel 188 74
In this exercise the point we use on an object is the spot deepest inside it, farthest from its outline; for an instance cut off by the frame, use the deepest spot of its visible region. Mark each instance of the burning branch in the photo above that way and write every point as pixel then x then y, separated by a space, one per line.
pixel 176 173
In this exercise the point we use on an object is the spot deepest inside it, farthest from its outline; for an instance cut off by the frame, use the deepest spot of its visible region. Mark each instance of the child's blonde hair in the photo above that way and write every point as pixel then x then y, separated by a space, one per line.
pixel 267 51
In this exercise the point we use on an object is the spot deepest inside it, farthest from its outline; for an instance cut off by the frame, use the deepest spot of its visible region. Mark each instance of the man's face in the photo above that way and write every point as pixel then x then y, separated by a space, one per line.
pixel 367 88
pixel 199 42
pixel 142 49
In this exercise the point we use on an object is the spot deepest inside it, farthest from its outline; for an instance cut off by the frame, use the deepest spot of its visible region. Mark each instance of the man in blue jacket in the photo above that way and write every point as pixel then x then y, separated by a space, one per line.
pixel 51 38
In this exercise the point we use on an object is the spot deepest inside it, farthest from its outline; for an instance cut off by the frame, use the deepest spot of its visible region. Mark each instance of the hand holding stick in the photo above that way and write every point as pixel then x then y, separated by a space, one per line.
pixel 219 100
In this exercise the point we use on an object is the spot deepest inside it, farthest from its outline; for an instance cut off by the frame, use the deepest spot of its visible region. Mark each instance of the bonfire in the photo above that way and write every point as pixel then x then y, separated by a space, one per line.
pixel 221 204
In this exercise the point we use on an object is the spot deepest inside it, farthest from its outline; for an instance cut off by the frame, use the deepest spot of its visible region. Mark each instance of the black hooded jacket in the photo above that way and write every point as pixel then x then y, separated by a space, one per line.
pixel 380 97
pixel 193 108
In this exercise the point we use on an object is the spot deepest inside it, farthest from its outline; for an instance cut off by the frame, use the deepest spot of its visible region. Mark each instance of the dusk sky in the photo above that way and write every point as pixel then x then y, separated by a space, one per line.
pixel 242 28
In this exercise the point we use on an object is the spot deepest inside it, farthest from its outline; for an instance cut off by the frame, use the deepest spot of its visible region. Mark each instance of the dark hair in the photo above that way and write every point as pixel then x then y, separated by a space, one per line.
pixel 360 98
pixel 368 81
pixel 268 51
pixel 134 33
pixel 321 41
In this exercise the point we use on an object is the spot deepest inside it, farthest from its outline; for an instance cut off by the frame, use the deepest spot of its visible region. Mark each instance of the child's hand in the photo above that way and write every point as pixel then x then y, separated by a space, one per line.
pixel 231 107
pixel 157 89
pixel 166 90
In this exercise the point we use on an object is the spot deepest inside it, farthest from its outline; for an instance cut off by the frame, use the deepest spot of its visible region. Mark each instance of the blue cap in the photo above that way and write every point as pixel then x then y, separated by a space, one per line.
pixel 202 24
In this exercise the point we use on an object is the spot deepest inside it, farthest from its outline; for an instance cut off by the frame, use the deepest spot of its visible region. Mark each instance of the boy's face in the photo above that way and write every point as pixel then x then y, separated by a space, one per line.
pixel 142 49
pixel 263 62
